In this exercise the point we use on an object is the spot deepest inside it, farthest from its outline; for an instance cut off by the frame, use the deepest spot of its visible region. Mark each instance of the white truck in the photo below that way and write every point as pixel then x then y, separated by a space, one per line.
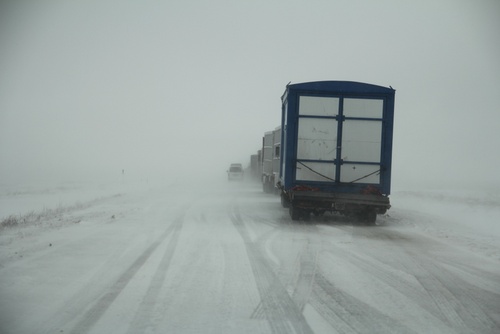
pixel 271 146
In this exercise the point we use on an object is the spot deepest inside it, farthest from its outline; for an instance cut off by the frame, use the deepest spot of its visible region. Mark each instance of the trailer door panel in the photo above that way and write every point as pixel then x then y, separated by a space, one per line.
pixel 361 140
pixel 317 136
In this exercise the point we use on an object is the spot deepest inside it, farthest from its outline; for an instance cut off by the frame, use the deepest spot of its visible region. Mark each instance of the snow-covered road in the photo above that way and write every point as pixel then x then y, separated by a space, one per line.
pixel 226 258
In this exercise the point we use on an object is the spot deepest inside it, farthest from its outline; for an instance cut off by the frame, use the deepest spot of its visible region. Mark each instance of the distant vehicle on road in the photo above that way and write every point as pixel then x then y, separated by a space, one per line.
pixel 235 172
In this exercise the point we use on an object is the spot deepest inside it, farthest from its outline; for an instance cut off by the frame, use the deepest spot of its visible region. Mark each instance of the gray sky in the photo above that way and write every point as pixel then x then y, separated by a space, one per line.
pixel 161 88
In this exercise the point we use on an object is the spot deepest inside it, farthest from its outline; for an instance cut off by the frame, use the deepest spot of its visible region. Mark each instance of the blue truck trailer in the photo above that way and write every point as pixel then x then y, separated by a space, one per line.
pixel 336 149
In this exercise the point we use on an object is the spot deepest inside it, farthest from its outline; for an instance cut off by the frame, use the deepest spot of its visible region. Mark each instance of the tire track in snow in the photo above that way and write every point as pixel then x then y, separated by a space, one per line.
pixel 77 303
pixel 480 286
pixel 386 273
pixel 276 305
pixel 306 277
pixel 374 267
pixel 299 282
pixel 346 314
pixel 453 300
pixel 92 315
pixel 457 304
pixel 144 317
pixel 301 278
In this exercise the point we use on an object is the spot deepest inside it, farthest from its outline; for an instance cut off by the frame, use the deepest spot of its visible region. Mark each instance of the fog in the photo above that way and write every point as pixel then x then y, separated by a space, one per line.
pixel 156 90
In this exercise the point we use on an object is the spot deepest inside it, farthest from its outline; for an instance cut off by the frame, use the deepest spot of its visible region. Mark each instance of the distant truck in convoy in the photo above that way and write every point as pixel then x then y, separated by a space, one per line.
pixel 255 168
pixel 271 143
pixel 336 149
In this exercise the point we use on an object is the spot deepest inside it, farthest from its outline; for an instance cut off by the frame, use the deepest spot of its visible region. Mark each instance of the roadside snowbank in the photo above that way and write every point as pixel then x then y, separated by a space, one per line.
pixel 20 200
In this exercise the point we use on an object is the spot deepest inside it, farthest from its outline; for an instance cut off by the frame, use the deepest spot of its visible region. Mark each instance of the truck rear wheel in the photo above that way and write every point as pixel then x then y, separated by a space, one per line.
pixel 294 212
pixel 297 214
pixel 368 216
pixel 284 201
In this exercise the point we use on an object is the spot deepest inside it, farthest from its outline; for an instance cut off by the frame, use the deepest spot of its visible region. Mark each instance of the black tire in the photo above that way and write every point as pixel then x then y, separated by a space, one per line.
pixel 368 217
pixel 371 217
pixel 318 213
pixel 306 215
pixel 295 213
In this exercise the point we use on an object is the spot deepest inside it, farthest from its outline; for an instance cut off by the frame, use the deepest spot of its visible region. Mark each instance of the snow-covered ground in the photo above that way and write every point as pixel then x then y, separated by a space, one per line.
pixel 226 258
pixel 467 219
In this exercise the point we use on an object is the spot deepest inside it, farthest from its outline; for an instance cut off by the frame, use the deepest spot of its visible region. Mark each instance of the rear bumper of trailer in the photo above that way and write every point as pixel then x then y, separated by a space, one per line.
pixel 345 203
pixel 363 207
